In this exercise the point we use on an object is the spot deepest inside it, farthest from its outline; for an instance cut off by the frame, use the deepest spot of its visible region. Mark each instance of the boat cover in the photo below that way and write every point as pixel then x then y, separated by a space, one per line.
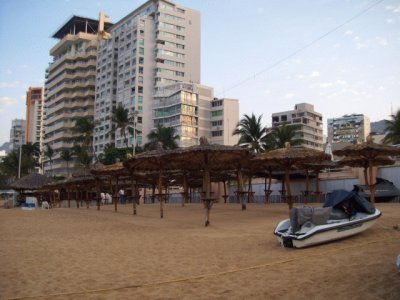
pixel 317 216
pixel 351 202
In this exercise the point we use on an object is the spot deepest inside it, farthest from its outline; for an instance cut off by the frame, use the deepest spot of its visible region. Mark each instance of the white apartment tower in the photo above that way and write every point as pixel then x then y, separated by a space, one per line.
pixel 17 133
pixel 158 44
pixel 194 112
pixel 307 122
pixel 352 128
pixel 70 86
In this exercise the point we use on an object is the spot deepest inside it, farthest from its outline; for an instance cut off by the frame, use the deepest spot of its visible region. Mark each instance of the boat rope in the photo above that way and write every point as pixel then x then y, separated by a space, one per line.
pixel 204 276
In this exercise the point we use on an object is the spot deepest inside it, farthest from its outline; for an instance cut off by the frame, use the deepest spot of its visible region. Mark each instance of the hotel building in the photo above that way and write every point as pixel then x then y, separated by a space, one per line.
pixel 194 112
pixel 158 44
pixel 307 123
pixel 70 85
pixel 352 128
pixel 34 115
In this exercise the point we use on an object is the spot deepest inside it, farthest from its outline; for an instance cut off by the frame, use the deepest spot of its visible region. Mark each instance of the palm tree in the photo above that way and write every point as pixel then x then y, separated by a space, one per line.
pixel 66 155
pixel 252 133
pixel 111 154
pixel 393 130
pixel 164 135
pixel 49 153
pixel 32 150
pixel 84 128
pixel 279 135
pixel 120 116
pixel 82 156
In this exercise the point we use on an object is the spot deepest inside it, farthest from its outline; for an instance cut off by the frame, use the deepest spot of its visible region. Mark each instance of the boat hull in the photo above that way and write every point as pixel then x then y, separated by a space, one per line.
pixel 324 233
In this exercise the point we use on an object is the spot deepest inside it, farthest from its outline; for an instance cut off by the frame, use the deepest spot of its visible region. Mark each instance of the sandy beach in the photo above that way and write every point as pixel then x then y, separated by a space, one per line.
pixel 88 254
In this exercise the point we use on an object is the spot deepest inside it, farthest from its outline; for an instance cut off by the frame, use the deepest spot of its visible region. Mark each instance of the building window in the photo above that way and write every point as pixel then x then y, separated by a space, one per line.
pixel 217 133
pixel 217 113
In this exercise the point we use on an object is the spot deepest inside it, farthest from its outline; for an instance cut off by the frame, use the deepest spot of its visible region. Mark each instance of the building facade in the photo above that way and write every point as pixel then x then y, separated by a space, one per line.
pixel 34 115
pixel 224 118
pixel 352 128
pixel 17 133
pixel 158 44
pixel 193 112
pixel 307 122
pixel 69 86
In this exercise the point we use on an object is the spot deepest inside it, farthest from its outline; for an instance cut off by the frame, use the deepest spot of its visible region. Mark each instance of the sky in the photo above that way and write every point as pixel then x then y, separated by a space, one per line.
pixel 341 56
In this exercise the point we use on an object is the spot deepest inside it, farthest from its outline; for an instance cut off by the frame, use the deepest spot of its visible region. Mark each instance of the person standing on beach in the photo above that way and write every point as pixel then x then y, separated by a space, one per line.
pixel 121 196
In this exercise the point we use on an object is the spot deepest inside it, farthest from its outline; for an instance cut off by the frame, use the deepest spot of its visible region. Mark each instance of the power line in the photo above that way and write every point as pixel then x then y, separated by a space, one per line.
pixel 278 62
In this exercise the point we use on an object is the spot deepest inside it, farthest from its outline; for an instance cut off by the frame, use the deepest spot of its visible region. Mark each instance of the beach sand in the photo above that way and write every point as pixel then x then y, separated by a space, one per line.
pixel 88 254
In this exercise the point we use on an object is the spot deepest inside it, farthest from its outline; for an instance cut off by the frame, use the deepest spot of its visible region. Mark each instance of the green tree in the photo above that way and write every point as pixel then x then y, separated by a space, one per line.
pixel 66 155
pixel 120 117
pixel 84 128
pixel 251 133
pixel 111 154
pixel 279 135
pixel 83 157
pixel 32 150
pixel 164 135
pixel 49 153
pixel 10 164
pixel 393 130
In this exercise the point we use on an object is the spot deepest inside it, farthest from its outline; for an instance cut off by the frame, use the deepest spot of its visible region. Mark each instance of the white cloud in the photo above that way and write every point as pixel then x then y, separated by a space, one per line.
pixel 289 96
pixel 13 84
pixel 325 85
pixel 361 45
pixel 341 82
pixel 393 8
pixel 314 74
pixel 7 101
pixel 390 20
pixel 267 92
pixel 382 41
pixel 348 32
pixel 381 88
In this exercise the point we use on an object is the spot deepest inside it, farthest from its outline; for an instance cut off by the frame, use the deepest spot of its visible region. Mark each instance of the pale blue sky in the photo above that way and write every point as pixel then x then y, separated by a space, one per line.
pixel 353 69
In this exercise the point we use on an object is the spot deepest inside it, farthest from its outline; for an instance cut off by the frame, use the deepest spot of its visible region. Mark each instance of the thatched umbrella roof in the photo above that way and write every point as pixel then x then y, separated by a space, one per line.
pixel 370 152
pixel 360 162
pixel 110 170
pixel 289 157
pixel 31 181
pixel 205 157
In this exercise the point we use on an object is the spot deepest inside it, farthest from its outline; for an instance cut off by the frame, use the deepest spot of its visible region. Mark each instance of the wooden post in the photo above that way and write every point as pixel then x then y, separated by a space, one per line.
pixel 288 189
pixel 134 195
pixel 78 196
pixel 160 196
pixel 116 194
pixel 185 197
pixel 371 181
pixel 240 188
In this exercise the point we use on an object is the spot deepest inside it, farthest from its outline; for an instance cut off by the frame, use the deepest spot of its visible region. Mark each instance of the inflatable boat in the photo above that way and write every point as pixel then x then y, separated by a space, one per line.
pixel 344 214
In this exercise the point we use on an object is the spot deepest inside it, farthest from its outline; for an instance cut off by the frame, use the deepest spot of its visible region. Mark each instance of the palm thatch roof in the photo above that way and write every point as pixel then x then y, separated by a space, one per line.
pixel 31 181
pixel 291 156
pixel 360 162
pixel 368 150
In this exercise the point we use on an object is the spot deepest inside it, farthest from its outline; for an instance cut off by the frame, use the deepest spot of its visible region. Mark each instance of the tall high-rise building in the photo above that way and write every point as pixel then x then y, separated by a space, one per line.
pixel 307 123
pixel 70 85
pixel 158 44
pixel 352 128
pixel 17 133
pixel 34 115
